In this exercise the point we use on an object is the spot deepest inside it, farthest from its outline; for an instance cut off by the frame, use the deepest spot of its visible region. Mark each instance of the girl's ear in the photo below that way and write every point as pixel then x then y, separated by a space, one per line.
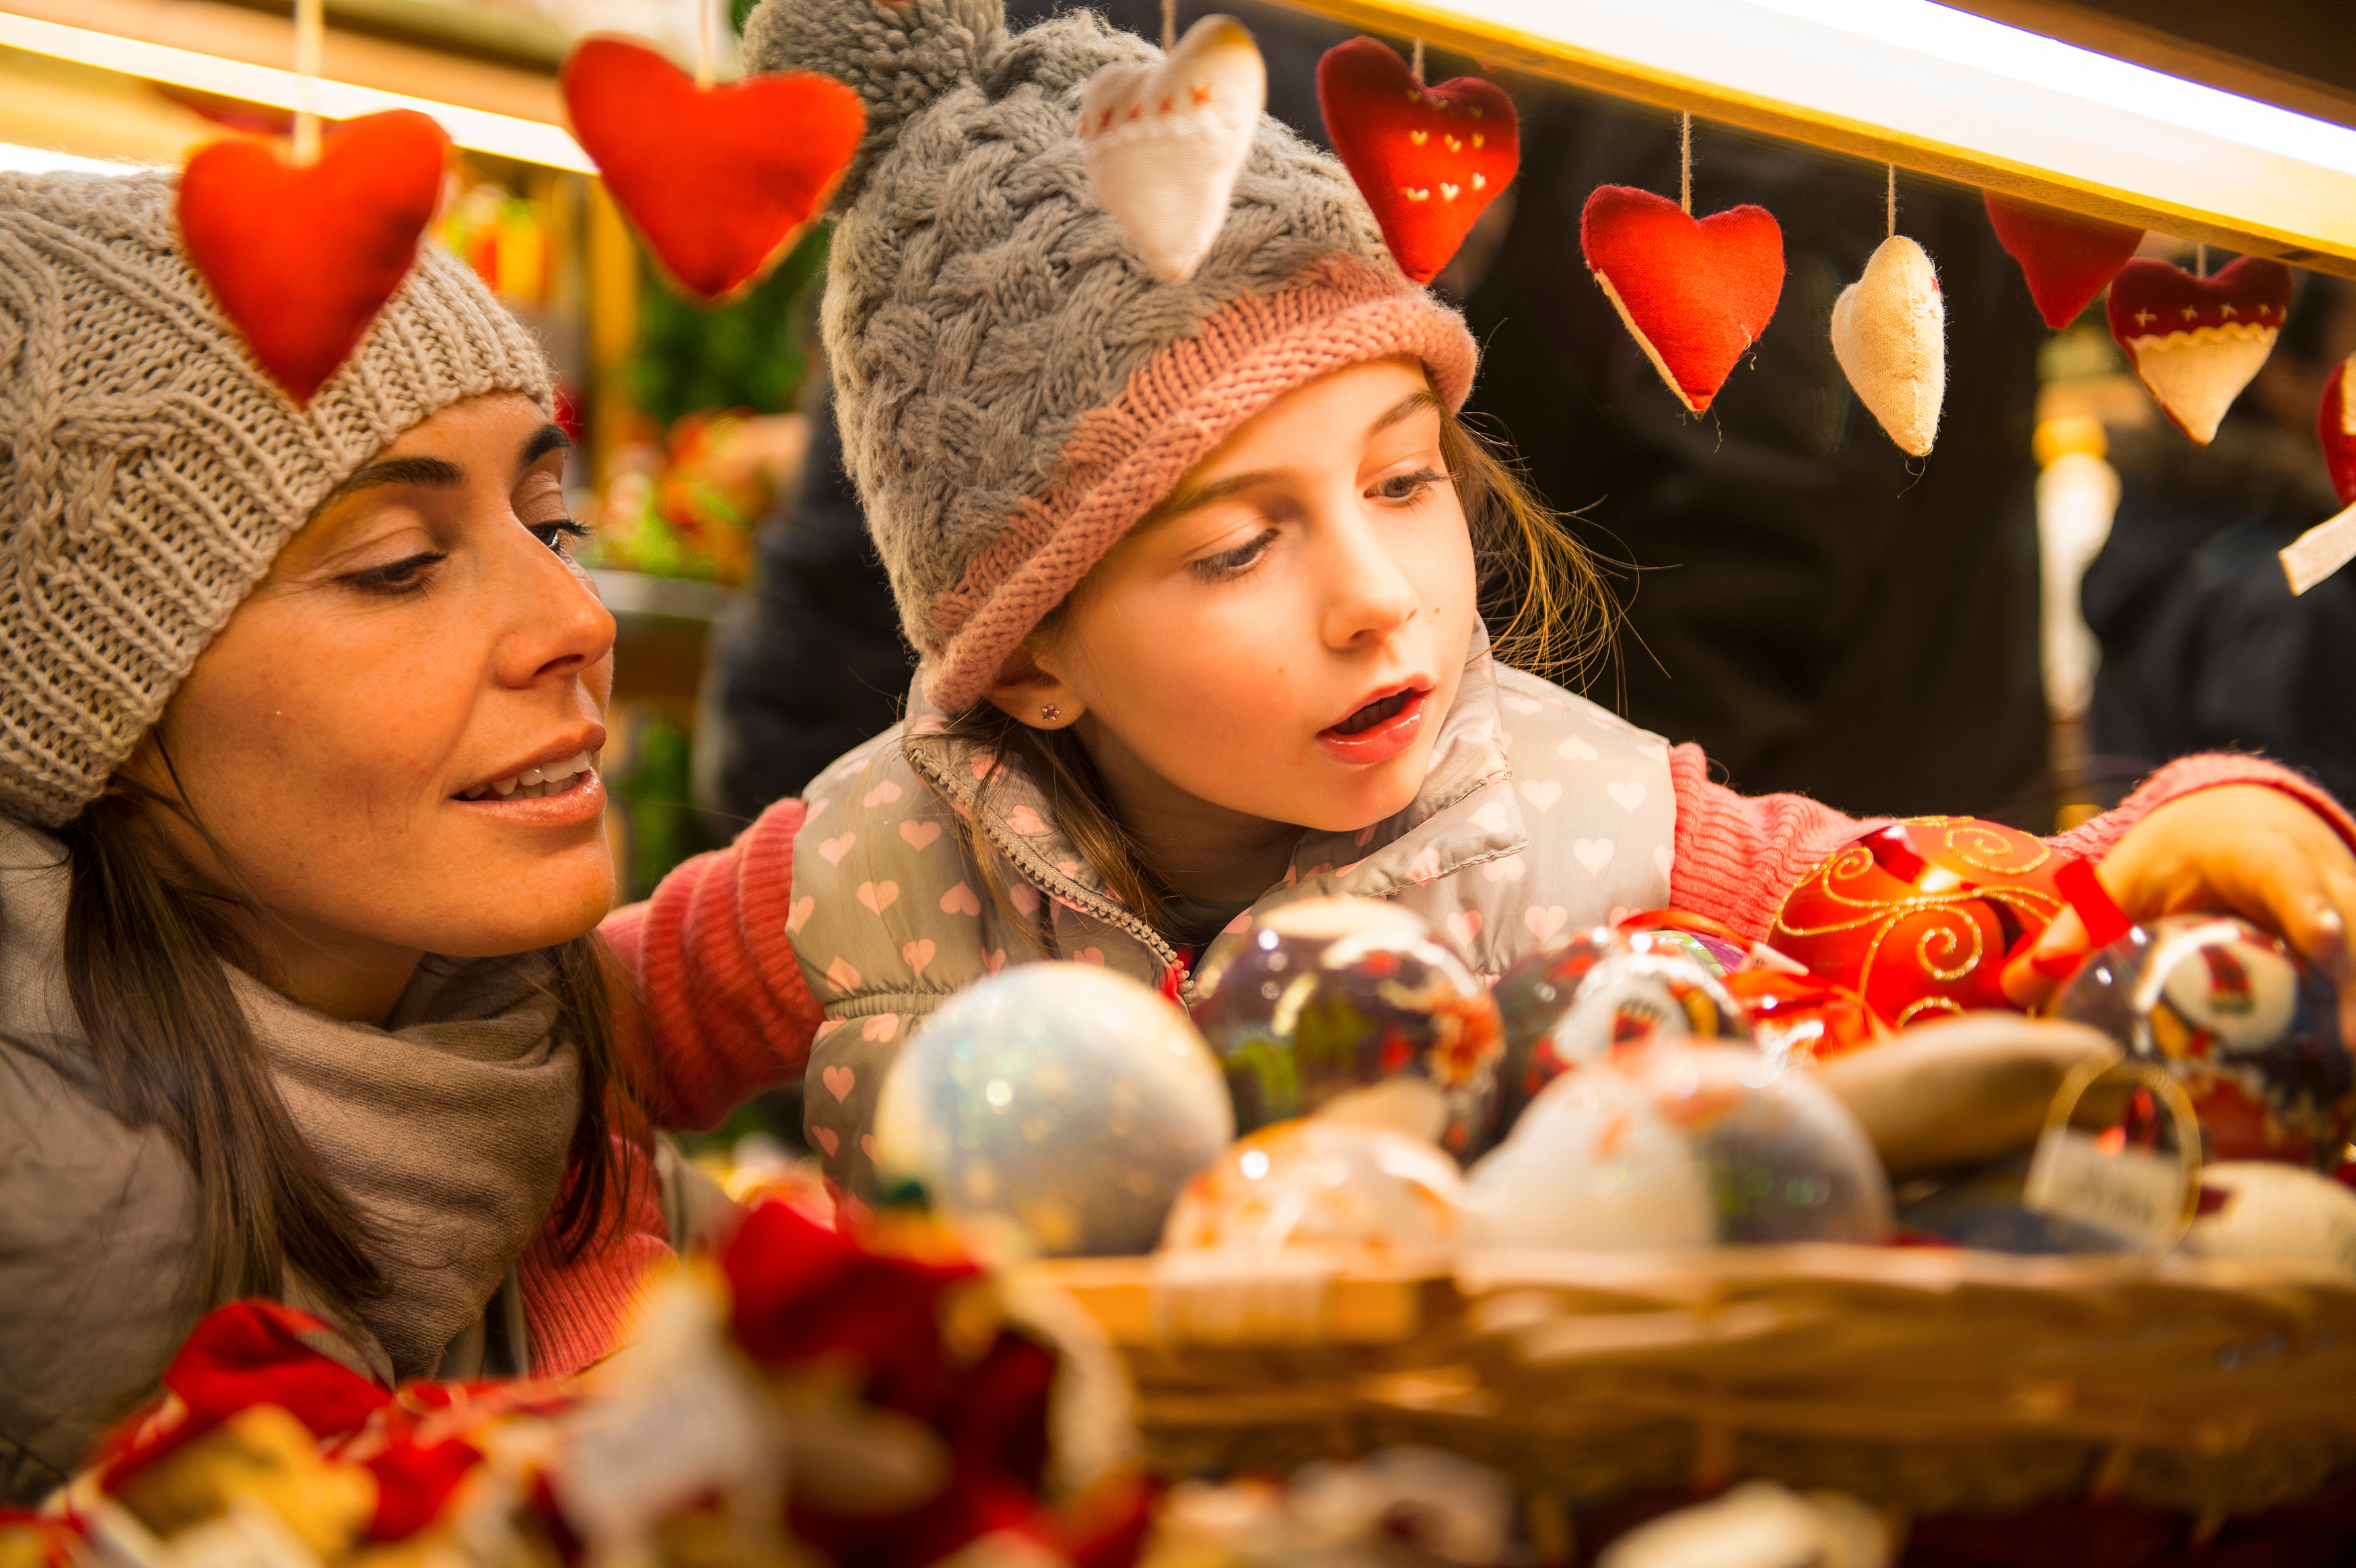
pixel 1029 693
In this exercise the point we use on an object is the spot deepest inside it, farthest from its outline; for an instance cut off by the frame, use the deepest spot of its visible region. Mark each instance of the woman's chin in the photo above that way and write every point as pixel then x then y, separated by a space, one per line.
pixel 522 908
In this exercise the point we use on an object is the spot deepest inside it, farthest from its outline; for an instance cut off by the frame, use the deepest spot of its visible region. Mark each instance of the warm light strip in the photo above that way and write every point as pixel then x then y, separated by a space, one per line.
pixel 21 160
pixel 505 134
pixel 1941 91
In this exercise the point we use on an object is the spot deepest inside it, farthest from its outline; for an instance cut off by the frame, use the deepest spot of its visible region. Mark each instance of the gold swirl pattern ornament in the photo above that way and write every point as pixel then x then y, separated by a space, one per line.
pixel 1920 916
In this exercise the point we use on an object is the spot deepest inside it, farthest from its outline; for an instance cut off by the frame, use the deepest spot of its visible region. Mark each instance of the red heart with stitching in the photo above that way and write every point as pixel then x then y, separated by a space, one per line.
pixel 302 259
pixel 2196 342
pixel 1695 295
pixel 719 181
pixel 2334 423
pixel 1427 159
pixel 2065 258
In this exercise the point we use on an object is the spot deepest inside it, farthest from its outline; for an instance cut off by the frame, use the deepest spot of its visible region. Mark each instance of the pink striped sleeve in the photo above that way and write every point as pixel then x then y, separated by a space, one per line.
pixel 1737 857
pixel 722 1011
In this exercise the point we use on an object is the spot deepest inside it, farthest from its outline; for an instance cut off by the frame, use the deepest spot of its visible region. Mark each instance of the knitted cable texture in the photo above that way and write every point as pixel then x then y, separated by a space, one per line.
pixel 1001 351
pixel 150 470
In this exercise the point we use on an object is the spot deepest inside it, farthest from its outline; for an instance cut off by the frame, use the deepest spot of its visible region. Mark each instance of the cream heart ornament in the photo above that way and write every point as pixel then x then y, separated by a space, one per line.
pixel 1164 143
pixel 1890 334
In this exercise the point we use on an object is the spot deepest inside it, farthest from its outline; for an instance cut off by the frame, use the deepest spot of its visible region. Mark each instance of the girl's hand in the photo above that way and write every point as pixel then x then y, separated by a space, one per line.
pixel 2244 847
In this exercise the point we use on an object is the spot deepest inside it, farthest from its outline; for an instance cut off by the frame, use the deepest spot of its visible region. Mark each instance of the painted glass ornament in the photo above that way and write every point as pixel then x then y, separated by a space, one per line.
pixel 1608 991
pixel 1061 1101
pixel 2251 1033
pixel 1330 997
pixel 1317 1183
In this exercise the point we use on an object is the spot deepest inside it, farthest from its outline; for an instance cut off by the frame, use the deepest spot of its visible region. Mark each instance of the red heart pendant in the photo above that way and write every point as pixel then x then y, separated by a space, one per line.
pixel 1427 159
pixel 2335 422
pixel 2065 258
pixel 302 259
pixel 1695 295
pixel 719 181
pixel 2196 342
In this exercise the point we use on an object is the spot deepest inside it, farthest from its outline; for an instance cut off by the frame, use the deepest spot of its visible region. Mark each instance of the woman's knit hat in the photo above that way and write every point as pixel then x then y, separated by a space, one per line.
pixel 150 470
pixel 1014 386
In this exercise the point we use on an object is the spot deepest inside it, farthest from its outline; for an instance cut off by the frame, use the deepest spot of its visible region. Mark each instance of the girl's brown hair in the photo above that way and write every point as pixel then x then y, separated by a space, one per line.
pixel 1562 622
pixel 144 958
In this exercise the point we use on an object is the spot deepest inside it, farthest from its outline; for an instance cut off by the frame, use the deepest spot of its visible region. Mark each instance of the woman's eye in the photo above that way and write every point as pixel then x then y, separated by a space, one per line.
pixel 406 575
pixel 560 534
pixel 1231 563
pixel 1409 486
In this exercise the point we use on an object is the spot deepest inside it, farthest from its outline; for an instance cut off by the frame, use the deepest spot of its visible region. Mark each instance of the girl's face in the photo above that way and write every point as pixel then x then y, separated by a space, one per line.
pixel 1282 638
pixel 353 737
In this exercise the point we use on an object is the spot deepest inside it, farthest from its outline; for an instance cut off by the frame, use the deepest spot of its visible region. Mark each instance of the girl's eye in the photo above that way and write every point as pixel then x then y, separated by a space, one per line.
pixel 560 534
pixel 407 575
pixel 1236 562
pixel 1409 486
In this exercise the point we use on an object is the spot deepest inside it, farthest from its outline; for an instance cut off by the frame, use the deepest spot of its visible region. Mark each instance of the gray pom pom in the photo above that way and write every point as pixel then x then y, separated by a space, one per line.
pixel 897 55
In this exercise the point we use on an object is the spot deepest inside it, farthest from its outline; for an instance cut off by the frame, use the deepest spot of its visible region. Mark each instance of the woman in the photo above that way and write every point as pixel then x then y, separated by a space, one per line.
pixel 300 711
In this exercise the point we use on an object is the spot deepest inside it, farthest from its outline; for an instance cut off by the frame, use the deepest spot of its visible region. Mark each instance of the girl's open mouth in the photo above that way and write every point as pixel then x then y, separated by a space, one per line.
pixel 1377 731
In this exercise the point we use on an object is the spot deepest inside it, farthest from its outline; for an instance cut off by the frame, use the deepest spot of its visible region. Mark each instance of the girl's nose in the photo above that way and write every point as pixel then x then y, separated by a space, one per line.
pixel 1368 596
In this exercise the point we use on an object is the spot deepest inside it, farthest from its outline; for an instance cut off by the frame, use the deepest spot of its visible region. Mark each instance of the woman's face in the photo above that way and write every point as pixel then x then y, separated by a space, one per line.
pixel 355 736
pixel 1283 640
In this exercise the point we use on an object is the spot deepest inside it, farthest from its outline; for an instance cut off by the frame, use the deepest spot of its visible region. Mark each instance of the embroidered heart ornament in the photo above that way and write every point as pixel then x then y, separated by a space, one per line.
pixel 2334 423
pixel 2065 259
pixel 1427 159
pixel 301 259
pixel 2196 342
pixel 719 181
pixel 1695 295
pixel 1890 334
pixel 1163 144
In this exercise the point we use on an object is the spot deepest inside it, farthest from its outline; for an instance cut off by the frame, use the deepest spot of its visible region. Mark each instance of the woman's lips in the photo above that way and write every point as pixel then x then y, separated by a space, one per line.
pixel 1381 741
pixel 582 799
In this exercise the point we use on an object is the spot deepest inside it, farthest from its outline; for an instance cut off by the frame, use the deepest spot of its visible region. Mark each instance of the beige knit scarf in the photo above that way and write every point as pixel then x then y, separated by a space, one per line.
pixel 449 1128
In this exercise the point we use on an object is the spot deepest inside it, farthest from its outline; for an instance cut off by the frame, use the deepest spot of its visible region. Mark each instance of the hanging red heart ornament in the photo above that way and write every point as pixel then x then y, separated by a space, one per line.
pixel 2066 259
pixel 301 259
pixel 719 181
pixel 1695 295
pixel 2335 422
pixel 1427 159
pixel 2196 342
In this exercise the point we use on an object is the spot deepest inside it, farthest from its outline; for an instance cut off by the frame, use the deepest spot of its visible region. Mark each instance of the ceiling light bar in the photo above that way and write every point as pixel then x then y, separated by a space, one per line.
pixel 21 160
pixel 1944 92
pixel 505 134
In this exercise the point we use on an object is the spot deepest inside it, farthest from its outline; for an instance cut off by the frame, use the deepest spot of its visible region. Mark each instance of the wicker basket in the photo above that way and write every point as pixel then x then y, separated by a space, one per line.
pixel 1922 1380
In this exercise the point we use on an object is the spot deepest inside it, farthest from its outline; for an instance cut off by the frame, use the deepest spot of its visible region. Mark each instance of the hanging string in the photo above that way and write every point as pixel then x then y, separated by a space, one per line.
pixel 310 36
pixel 1169 26
pixel 704 73
pixel 1893 201
pixel 1685 161
pixel 1416 65
pixel 2200 261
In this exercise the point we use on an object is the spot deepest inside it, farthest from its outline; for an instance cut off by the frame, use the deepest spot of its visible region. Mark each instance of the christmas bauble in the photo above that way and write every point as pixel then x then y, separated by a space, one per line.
pixel 1061 1100
pixel 1315 1183
pixel 1328 997
pixel 2251 1033
pixel 1602 991
pixel 1918 917
pixel 1591 1166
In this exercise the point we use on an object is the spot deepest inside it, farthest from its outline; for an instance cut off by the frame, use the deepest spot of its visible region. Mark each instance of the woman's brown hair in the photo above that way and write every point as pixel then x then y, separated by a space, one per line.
pixel 144 952
pixel 1562 622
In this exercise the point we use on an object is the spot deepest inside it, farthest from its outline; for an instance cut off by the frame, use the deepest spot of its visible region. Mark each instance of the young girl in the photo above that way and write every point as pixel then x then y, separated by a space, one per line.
pixel 1194 571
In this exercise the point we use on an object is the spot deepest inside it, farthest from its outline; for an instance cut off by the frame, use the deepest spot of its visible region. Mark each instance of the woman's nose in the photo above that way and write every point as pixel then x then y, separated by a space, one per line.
pixel 562 627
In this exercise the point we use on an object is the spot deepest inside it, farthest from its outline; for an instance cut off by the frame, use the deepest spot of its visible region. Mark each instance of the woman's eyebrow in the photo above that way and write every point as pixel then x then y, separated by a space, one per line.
pixel 547 438
pixel 438 472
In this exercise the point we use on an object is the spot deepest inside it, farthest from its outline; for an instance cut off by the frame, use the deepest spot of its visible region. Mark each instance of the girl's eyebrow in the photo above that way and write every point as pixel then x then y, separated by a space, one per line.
pixel 1178 503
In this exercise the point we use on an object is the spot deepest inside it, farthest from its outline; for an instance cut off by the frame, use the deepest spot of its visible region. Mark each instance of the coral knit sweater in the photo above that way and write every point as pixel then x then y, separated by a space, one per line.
pixel 725 1013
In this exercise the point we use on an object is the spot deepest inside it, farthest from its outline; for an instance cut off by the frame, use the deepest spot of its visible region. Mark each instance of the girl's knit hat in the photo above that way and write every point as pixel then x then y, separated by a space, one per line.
pixel 1014 386
pixel 150 470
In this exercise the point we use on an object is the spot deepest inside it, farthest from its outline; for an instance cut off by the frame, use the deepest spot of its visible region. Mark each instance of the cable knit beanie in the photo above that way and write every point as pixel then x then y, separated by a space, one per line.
pixel 150 470
pixel 1014 386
